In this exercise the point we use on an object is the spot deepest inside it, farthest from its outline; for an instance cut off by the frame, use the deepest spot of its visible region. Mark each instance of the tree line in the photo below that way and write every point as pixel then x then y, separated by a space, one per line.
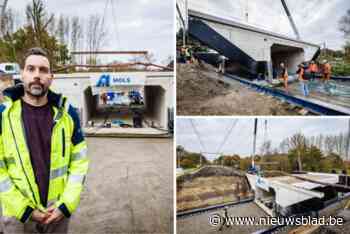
pixel 58 34
pixel 320 153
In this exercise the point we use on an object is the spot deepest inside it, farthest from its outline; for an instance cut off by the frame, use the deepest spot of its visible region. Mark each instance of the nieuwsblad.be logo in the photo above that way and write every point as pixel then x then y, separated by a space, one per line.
pixel 106 80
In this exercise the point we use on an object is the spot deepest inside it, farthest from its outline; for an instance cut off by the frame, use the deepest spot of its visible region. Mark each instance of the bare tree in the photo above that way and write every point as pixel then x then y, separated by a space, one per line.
pixel 339 144
pixel 60 29
pixel 52 27
pixel 96 35
pixel 283 147
pixel 265 148
pixel 76 34
pixel 38 19
pixel 344 24
pixel 298 142
pixel 329 144
pixel 67 30
pixel 7 24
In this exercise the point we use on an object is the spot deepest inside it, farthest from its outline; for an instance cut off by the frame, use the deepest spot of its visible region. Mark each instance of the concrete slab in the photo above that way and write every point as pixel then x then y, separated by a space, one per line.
pixel 124 132
pixel 318 97
pixel 129 187
pixel 199 224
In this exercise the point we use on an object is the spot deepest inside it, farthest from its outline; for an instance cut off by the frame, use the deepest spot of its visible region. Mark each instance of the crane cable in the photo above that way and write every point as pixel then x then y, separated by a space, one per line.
pixel 197 134
pixel 227 135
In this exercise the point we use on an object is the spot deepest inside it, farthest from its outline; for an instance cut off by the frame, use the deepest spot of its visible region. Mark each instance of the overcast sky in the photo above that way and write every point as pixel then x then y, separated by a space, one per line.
pixel 316 20
pixel 141 24
pixel 240 141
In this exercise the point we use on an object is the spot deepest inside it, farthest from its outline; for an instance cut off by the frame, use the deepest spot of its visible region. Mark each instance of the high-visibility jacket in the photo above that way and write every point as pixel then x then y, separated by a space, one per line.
pixel 313 67
pixel 301 74
pixel 327 68
pixel 19 192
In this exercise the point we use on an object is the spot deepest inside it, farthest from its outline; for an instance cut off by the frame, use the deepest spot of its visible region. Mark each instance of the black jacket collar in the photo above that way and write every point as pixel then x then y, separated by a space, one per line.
pixel 17 91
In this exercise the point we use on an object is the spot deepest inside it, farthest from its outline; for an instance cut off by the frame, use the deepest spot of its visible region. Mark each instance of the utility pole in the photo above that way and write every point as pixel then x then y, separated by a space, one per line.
pixel 184 33
pixel 347 143
pixel 254 142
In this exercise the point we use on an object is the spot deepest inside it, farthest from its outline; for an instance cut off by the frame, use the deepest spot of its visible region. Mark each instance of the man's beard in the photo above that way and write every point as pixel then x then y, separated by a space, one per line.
pixel 36 89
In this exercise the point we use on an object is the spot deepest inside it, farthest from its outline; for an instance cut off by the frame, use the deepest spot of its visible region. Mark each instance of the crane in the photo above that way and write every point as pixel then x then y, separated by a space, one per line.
pixel 291 21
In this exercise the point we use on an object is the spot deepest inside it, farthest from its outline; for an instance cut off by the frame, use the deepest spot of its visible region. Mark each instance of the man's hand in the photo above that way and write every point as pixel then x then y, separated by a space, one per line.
pixel 39 216
pixel 55 215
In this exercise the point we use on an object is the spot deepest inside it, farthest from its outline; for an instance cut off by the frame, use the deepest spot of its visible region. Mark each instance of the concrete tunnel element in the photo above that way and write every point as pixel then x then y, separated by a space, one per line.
pixel 157 98
pixel 153 111
pixel 251 51
pixel 291 56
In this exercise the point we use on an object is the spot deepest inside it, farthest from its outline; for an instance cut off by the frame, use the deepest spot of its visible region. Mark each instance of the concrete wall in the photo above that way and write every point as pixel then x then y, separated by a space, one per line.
pixel 257 44
pixel 74 85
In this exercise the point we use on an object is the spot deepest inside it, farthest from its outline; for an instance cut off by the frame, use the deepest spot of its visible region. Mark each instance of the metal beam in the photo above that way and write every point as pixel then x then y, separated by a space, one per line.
pixel 291 21
pixel 185 214
pixel 110 52
pixel 319 108
pixel 235 24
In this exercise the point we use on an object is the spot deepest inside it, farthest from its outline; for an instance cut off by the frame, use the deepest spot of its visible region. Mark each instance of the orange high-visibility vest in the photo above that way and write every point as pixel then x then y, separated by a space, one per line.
pixel 313 67
pixel 327 68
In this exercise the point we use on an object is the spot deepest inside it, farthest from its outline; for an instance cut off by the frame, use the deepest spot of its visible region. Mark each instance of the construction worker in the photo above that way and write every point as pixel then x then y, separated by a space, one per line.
pixel 43 154
pixel 284 76
pixel 326 71
pixel 303 82
pixel 313 69
pixel 222 60
pixel 183 54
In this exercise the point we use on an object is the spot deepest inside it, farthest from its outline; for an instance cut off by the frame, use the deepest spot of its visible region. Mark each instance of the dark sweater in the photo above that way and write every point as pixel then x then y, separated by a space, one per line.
pixel 38 123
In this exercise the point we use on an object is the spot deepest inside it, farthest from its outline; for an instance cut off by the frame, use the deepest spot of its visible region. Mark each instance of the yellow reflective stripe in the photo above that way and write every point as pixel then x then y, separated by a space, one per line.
pixel 10 160
pixel 80 155
pixel 5 185
pixel 58 172
pixel 7 161
pixel 76 179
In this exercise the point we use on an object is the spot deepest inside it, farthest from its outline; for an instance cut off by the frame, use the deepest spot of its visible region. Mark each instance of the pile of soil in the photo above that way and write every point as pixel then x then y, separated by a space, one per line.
pixel 206 191
pixel 211 185
pixel 194 86
pixel 202 91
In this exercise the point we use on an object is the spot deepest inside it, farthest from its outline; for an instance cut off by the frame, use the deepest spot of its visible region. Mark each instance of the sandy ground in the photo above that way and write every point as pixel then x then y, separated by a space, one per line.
pixel 206 191
pixel 201 92
pixel 129 187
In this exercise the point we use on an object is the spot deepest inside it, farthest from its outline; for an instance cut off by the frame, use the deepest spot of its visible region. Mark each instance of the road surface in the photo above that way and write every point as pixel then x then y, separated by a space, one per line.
pixel 129 187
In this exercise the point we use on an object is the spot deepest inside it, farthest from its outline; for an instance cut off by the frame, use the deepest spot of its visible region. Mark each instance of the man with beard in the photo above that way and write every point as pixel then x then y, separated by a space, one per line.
pixel 43 154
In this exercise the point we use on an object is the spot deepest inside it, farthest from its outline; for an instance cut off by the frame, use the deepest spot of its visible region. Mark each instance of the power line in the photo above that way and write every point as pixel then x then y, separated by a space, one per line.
pixel 200 141
pixel 197 134
pixel 227 135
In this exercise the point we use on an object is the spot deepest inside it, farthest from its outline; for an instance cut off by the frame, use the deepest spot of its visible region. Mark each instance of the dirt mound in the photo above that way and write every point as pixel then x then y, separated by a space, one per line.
pixel 193 82
pixel 211 190
pixel 194 85
pixel 207 171
pixel 202 91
